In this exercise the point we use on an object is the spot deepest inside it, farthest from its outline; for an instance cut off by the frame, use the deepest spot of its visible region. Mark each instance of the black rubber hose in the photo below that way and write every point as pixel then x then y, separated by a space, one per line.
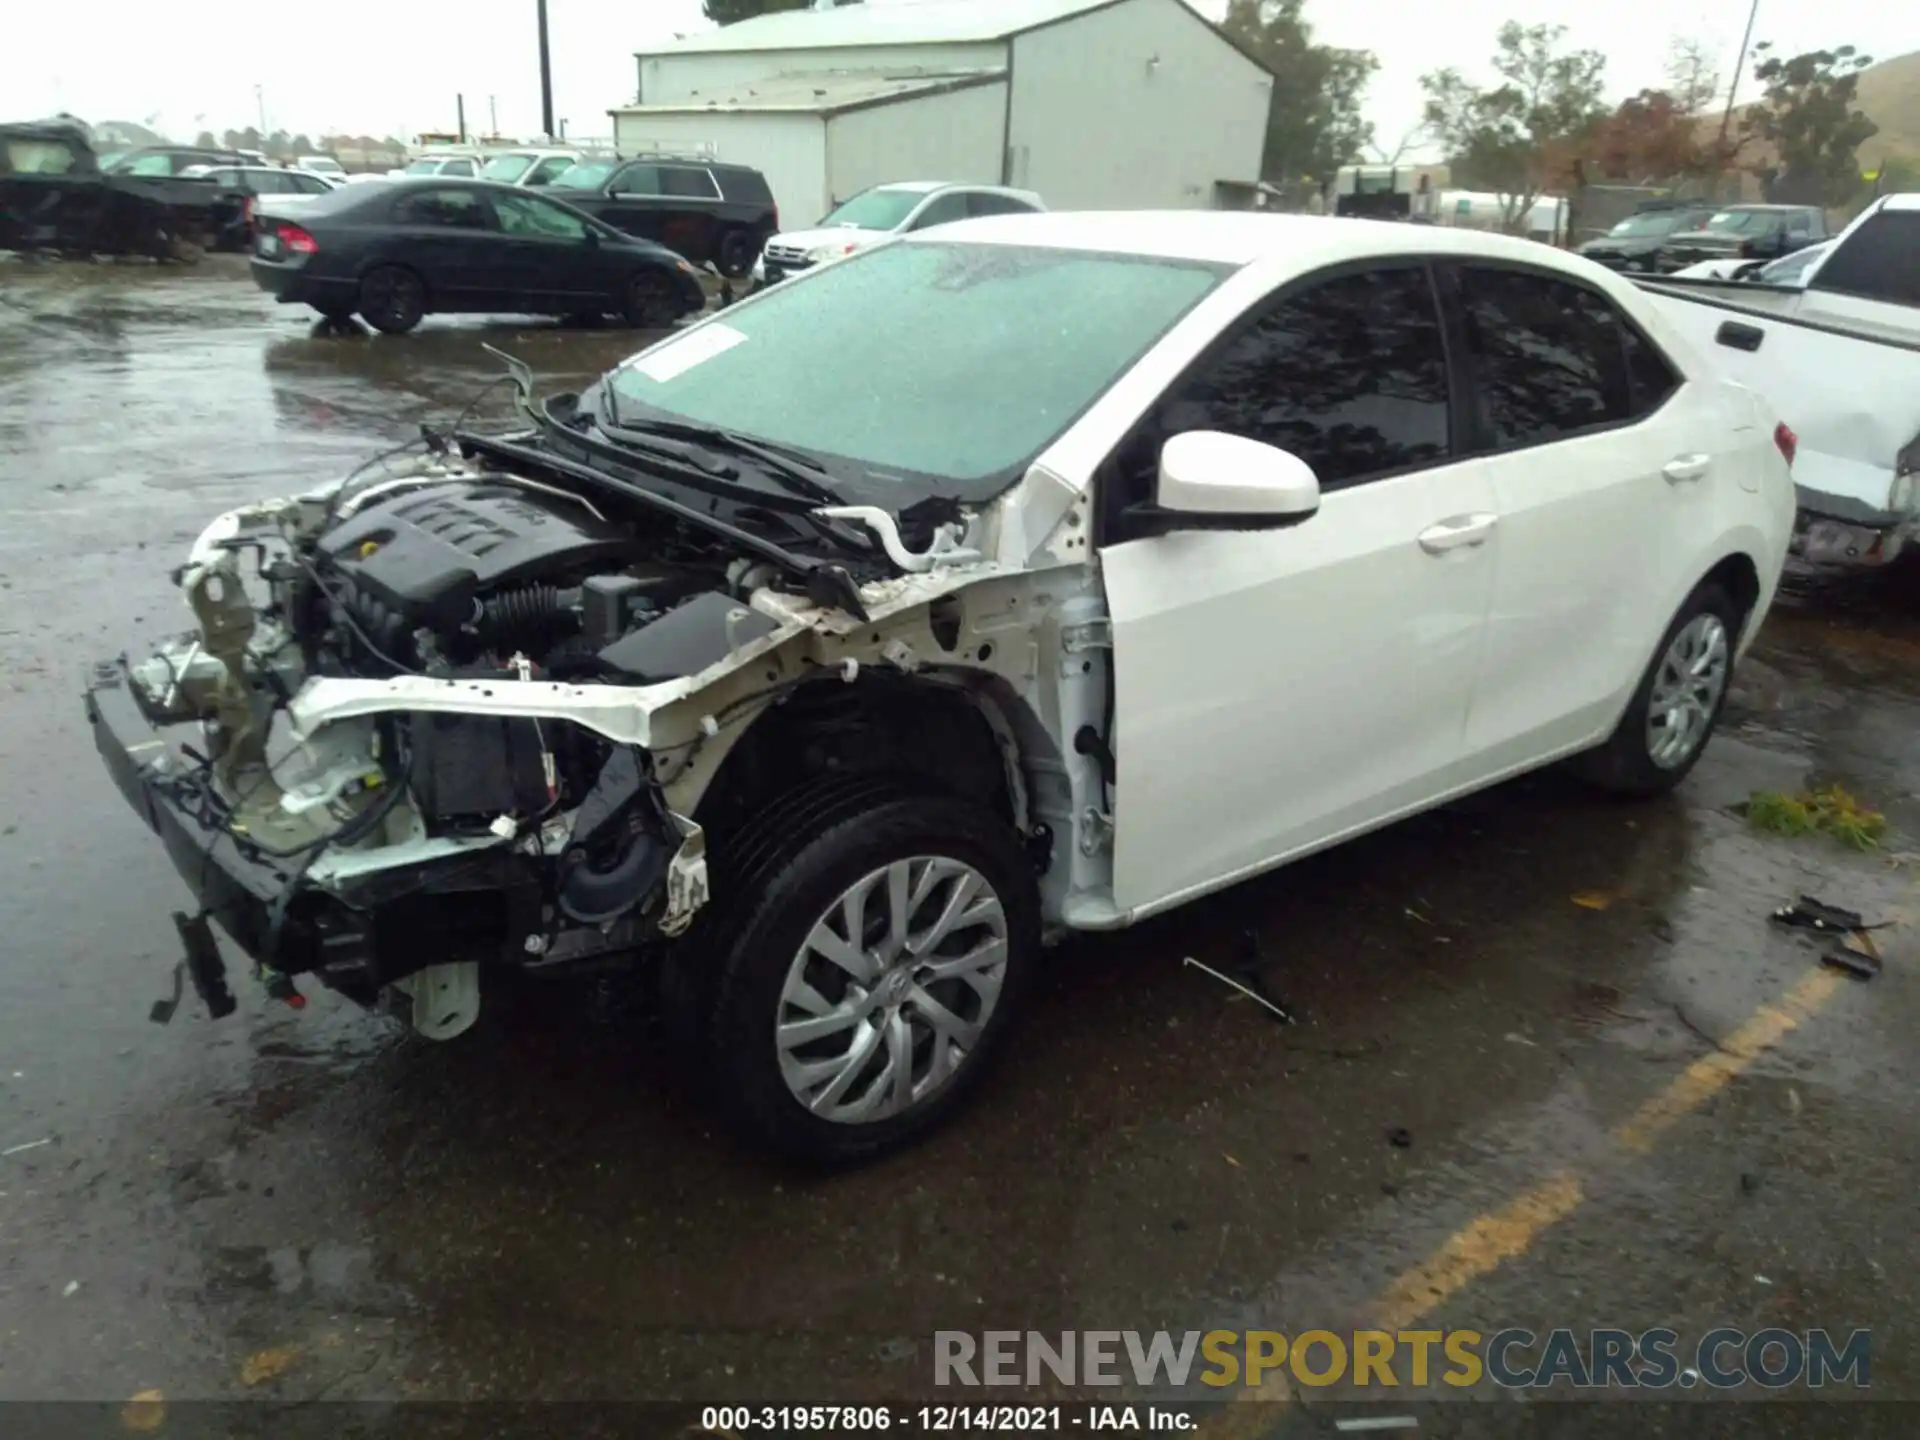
pixel 528 613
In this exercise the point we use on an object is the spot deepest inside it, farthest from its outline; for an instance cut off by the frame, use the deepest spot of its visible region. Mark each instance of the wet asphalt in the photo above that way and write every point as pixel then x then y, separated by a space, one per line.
pixel 317 1205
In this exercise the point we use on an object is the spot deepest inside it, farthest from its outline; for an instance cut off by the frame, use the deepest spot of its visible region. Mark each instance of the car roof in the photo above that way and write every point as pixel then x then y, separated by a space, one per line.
pixel 1781 208
pixel 1240 238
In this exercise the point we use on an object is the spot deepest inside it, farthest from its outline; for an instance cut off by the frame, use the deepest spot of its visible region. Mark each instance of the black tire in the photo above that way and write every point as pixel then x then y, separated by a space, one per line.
pixel 772 883
pixel 733 257
pixel 392 299
pixel 1625 764
pixel 651 301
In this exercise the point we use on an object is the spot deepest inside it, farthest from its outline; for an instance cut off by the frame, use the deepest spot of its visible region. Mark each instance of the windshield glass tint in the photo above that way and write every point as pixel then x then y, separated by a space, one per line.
pixel 876 209
pixel 1640 226
pixel 956 364
pixel 506 168
pixel 1740 222
pixel 590 176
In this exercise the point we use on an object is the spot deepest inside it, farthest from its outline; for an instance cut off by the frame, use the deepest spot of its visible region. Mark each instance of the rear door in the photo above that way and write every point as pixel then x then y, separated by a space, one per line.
pixel 688 212
pixel 1279 689
pixel 450 237
pixel 1604 467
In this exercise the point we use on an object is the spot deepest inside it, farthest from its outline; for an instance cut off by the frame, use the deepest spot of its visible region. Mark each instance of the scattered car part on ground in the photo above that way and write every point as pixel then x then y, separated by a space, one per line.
pixel 54 197
pixel 882 211
pixel 1837 355
pixel 712 213
pixel 645 682
pixel 399 250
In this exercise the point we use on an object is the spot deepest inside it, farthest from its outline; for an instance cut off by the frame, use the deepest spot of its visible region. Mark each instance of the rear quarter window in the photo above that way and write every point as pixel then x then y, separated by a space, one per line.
pixel 745 185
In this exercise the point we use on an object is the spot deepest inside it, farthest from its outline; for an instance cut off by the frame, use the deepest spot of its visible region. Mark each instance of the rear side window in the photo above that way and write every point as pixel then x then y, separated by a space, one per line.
pixel 1349 374
pixel 1651 377
pixel 1879 261
pixel 1548 356
pixel 455 209
pixel 744 185
pixel 309 184
pixel 985 202
pixel 942 210
pixel 686 183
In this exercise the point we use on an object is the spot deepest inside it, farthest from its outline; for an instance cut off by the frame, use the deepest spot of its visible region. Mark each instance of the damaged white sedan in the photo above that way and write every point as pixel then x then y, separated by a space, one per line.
pixel 1040 573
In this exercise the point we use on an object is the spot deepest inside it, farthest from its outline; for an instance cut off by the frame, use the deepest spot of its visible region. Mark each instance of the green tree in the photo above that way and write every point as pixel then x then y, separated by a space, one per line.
pixel 1314 126
pixel 1809 123
pixel 731 12
pixel 205 141
pixel 1524 134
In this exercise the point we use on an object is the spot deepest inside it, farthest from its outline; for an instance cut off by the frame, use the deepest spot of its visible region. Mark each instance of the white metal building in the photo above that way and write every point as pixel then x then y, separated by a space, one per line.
pixel 1095 104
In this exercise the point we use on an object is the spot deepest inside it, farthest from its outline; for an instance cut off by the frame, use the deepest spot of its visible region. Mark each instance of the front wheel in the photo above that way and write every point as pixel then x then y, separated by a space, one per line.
pixel 651 301
pixel 1672 714
pixel 737 251
pixel 866 972
pixel 392 300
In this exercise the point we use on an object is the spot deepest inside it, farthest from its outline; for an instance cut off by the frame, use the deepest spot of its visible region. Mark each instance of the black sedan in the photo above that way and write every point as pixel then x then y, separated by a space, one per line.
pixel 393 251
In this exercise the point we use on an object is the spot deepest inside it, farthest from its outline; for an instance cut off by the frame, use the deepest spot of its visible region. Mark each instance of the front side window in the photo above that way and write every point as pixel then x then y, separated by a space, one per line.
pixel 310 185
pixel 638 180
pixel 877 209
pixel 922 368
pixel 1548 356
pixel 529 215
pixel 1879 261
pixel 550 170
pixel 150 165
pixel 942 210
pixel 1349 374
pixel 686 183
pixel 506 168
pixel 588 175
pixel 445 209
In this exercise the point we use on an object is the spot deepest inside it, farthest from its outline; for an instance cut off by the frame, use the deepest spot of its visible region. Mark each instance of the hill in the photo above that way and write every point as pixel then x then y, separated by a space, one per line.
pixel 1890 94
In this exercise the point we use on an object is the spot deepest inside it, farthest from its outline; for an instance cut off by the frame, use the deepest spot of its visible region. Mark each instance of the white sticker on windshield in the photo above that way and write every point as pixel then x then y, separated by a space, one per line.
pixel 696 347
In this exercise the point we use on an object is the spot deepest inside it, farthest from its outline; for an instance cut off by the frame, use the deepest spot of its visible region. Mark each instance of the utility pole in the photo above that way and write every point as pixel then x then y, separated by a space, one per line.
pixel 546 75
pixel 460 109
pixel 493 117
pixel 260 101
pixel 1740 60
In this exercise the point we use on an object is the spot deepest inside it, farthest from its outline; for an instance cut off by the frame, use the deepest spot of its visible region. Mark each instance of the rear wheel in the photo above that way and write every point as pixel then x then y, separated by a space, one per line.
pixel 735 254
pixel 651 301
pixel 392 299
pixel 861 972
pixel 1672 714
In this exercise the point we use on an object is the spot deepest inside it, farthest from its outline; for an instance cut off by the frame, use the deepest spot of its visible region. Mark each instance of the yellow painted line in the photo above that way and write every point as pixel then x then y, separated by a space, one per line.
pixel 1477 1249
pixel 1491 1239
pixel 1711 1074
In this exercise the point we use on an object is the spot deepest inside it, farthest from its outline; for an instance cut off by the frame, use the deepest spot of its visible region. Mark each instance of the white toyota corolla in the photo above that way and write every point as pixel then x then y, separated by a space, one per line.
pixel 1038 573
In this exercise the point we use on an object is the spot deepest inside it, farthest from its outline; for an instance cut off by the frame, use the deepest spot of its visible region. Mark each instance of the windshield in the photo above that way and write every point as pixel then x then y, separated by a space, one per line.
pixel 506 168
pixel 588 176
pixel 423 167
pixel 1791 269
pixel 1741 222
pixel 1013 343
pixel 875 210
pixel 1663 222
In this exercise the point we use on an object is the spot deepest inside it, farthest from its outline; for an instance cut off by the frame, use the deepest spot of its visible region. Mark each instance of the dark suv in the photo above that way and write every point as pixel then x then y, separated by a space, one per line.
pixel 1745 232
pixel 1634 244
pixel 706 211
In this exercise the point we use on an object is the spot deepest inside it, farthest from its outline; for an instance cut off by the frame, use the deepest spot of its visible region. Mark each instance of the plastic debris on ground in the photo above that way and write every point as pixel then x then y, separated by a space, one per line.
pixel 1853 951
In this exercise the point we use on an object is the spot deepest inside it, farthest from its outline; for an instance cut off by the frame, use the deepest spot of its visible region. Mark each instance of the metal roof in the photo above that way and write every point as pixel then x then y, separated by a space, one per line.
pixel 908 22
pixel 826 94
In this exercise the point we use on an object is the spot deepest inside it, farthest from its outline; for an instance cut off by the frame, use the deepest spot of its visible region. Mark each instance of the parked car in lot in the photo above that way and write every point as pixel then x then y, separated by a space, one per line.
pixel 884 210
pixel 454 164
pixel 1836 351
pixel 1634 244
pixel 1744 232
pixel 399 250
pixel 250 182
pixel 712 213
pixel 829 675
pixel 531 169
pixel 322 165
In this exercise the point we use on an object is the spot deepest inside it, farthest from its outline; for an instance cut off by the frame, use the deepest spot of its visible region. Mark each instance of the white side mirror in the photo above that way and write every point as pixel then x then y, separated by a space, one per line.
pixel 1212 479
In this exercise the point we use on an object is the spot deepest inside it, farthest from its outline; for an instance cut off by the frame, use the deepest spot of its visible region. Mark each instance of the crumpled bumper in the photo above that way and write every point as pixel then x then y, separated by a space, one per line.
pixel 356 936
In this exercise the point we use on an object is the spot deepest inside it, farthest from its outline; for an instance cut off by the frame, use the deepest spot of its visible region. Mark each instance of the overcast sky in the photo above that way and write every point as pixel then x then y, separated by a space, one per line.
pixel 394 66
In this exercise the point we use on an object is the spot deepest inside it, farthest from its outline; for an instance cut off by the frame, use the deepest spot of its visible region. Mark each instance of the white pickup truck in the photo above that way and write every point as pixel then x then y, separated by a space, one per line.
pixel 1838 358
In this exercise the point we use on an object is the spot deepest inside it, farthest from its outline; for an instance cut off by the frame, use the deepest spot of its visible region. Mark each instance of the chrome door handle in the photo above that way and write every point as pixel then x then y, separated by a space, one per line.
pixel 1457 532
pixel 1684 468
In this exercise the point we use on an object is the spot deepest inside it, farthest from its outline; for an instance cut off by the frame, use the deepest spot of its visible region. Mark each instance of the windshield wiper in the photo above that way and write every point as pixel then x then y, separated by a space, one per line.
pixel 788 470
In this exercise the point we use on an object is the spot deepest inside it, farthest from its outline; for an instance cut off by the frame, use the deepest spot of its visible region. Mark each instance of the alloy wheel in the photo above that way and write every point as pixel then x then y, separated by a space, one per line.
pixel 1686 691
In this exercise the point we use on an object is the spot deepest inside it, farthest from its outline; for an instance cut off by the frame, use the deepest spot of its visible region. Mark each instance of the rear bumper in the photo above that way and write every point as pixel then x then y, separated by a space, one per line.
pixel 357 936
pixel 293 285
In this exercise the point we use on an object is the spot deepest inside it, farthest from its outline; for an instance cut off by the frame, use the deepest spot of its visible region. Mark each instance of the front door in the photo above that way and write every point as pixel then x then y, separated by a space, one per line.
pixel 449 237
pixel 550 266
pixel 1279 689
